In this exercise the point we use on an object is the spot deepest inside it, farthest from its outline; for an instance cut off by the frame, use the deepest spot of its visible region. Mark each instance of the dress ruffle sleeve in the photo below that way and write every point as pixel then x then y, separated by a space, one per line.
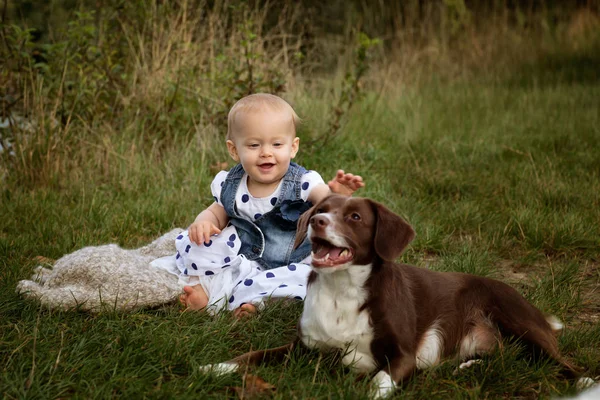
pixel 309 181
pixel 217 185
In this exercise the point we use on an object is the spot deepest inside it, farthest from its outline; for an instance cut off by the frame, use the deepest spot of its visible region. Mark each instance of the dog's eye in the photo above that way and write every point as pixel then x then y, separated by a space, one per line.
pixel 320 211
pixel 355 216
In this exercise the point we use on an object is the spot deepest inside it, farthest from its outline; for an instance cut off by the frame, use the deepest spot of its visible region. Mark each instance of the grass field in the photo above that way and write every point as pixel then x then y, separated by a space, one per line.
pixel 499 175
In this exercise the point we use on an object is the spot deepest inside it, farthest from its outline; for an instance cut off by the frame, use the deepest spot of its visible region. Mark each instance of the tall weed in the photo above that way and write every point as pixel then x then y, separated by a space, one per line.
pixel 139 77
pixel 127 82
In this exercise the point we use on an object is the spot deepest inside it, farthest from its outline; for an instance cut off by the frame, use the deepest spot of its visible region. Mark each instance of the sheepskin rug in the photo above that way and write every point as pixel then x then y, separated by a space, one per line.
pixel 106 278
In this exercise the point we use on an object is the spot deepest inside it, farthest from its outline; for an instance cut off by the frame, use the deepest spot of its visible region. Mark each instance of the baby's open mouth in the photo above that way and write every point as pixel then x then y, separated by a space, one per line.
pixel 324 254
pixel 266 166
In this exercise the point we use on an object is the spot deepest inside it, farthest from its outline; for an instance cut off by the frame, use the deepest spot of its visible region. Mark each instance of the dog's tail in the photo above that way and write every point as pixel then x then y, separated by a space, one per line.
pixel 256 357
pixel 518 317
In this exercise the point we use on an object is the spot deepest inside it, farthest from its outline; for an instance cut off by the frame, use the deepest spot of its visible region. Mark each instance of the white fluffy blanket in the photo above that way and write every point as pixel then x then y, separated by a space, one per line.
pixel 108 277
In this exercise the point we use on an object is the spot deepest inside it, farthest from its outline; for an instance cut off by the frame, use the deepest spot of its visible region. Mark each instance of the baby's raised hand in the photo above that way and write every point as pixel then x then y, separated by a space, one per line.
pixel 344 183
pixel 201 231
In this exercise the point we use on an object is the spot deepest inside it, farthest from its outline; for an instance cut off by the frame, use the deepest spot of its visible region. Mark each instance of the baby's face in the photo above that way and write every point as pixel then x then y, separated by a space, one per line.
pixel 264 143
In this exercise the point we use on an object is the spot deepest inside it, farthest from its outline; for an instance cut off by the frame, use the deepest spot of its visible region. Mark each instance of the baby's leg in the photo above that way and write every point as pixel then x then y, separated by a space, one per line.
pixel 194 297
pixel 206 267
pixel 282 282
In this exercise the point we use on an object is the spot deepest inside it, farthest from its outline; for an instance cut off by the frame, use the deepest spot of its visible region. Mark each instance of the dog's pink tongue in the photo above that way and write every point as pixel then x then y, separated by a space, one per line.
pixel 322 251
pixel 334 252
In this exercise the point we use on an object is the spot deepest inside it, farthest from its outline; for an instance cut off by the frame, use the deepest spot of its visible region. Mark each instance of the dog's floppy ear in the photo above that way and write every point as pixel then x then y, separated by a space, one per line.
pixel 302 226
pixel 392 233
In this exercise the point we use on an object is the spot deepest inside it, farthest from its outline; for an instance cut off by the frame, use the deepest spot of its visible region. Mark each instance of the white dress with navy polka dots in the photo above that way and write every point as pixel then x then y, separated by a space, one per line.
pixel 229 279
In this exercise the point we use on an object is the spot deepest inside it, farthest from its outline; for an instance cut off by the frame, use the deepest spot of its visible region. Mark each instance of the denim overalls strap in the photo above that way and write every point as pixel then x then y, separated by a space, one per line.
pixel 269 239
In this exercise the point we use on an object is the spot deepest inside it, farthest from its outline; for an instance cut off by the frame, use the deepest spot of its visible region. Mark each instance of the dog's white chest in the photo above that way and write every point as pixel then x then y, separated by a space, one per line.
pixel 332 318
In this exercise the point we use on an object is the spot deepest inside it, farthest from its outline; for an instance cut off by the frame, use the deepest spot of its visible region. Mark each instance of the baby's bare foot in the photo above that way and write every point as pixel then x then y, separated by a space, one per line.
pixel 193 298
pixel 245 310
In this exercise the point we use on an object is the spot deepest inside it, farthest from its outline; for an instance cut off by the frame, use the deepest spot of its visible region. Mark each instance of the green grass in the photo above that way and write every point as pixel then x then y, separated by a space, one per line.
pixel 497 176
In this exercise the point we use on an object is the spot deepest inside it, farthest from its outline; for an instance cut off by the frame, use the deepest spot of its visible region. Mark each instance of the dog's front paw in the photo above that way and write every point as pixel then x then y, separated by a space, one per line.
pixel 219 368
pixel 585 383
pixel 383 385
pixel 467 364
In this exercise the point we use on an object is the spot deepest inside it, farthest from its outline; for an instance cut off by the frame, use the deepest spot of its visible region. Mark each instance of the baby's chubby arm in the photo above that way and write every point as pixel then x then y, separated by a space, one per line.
pixel 208 223
pixel 342 183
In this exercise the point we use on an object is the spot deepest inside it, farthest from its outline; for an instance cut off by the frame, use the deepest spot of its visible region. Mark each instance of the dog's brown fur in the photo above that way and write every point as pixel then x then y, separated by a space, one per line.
pixel 404 302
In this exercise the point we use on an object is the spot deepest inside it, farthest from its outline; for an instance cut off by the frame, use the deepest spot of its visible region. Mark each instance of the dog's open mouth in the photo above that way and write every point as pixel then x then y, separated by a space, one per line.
pixel 324 254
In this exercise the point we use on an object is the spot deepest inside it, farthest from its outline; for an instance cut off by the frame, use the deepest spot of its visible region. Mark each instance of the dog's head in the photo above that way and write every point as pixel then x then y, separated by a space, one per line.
pixel 348 231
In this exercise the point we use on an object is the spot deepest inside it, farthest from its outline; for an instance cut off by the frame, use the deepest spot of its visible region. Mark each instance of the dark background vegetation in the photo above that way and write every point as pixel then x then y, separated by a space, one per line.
pixel 477 121
pixel 113 62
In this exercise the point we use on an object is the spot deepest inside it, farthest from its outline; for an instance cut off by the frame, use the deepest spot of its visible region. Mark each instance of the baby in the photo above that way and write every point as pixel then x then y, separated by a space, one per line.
pixel 240 249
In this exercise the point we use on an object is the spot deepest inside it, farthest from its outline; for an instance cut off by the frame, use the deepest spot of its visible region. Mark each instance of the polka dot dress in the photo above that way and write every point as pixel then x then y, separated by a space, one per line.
pixel 229 279
pixel 282 282
pixel 252 208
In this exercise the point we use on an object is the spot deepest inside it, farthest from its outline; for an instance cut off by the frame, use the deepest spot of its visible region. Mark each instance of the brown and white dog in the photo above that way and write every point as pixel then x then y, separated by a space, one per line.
pixel 392 319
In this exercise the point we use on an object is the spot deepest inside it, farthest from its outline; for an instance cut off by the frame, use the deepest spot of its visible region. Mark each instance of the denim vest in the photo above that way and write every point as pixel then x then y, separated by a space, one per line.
pixel 270 239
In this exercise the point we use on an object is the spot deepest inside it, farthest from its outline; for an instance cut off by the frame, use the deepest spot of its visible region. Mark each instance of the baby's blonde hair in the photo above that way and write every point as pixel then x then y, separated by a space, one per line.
pixel 260 102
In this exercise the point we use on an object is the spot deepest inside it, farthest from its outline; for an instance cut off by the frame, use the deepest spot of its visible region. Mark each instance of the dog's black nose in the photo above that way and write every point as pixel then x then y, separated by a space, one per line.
pixel 319 222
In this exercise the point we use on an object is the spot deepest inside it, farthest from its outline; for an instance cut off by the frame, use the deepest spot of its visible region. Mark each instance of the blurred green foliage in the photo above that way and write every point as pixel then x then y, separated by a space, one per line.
pixel 151 73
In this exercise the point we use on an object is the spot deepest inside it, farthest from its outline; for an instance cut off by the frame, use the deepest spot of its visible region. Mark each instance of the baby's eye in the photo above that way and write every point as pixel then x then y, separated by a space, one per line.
pixel 253 145
pixel 277 144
